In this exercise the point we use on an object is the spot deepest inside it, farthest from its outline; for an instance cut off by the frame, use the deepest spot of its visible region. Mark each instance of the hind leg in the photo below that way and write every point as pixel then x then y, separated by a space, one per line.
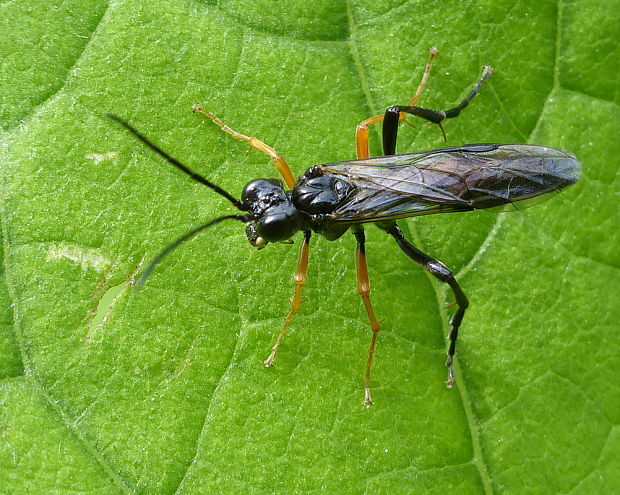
pixel 361 133
pixel 394 115
pixel 444 274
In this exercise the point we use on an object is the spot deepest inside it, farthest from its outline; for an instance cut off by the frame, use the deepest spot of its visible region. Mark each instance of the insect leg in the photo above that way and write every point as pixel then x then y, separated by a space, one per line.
pixel 441 272
pixel 300 278
pixel 363 288
pixel 361 133
pixel 361 136
pixel 393 115
pixel 278 160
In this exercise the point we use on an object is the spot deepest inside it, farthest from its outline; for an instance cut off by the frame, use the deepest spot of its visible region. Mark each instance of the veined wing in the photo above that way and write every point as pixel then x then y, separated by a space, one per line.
pixel 458 178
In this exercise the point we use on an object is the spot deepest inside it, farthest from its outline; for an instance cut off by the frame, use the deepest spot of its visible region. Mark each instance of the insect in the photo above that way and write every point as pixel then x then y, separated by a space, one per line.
pixel 329 199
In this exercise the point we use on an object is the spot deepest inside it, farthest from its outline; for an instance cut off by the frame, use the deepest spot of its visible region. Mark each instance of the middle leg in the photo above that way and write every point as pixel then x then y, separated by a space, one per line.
pixel 363 288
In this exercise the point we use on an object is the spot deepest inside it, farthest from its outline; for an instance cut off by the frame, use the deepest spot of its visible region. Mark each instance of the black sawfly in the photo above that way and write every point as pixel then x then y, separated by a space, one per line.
pixel 331 198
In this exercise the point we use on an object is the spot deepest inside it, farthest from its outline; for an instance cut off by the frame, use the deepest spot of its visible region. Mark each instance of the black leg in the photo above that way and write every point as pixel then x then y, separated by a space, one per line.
pixel 392 115
pixel 361 133
pixel 441 272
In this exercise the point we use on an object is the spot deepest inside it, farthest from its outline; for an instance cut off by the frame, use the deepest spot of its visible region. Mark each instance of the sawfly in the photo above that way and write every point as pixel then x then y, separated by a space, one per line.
pixel 330 199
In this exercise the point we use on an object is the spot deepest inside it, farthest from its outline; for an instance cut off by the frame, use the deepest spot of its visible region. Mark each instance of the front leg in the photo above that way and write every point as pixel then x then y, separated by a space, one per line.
pixel 278 160
pixel 441 272
pixel 300 278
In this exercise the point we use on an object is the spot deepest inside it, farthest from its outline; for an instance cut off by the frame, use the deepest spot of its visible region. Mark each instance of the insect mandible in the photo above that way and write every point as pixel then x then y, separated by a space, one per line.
pixel 331 198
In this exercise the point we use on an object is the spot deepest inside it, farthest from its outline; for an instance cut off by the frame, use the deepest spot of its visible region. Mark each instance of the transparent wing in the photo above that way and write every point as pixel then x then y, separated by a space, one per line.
pixel 462 178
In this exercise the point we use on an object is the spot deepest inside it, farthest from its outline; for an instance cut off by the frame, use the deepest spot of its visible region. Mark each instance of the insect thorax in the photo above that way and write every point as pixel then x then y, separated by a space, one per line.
pixel 317 195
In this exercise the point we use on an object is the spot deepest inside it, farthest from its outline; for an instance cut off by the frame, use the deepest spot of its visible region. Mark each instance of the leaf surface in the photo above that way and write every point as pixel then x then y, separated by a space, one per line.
pixel 105 389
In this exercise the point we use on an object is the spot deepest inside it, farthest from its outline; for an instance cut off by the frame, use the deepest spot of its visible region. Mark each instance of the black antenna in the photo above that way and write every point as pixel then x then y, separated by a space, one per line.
pixel 178 164
pixel 182 239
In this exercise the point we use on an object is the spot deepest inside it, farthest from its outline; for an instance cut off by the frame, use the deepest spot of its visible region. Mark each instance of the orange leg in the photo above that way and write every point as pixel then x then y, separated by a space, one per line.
pixel 363 288
pixel 300 278
pixel 361 133
pixel 278 160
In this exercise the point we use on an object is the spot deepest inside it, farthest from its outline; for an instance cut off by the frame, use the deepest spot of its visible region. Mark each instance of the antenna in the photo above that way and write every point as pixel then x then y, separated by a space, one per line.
pixel 181 240
pixel 197 177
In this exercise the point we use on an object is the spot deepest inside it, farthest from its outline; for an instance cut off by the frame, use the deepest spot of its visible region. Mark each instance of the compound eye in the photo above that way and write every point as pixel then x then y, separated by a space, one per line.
pixel 279 225
pixel 251 231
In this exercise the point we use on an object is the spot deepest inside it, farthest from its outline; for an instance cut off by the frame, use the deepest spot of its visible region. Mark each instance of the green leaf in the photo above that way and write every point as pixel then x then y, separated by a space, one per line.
pixel 105 389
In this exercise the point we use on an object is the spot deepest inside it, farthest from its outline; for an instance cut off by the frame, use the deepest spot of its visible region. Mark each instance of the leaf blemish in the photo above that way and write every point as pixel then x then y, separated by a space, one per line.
pixel 104 307
pixel 107 302
pixel 86 258
pixel 100 157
